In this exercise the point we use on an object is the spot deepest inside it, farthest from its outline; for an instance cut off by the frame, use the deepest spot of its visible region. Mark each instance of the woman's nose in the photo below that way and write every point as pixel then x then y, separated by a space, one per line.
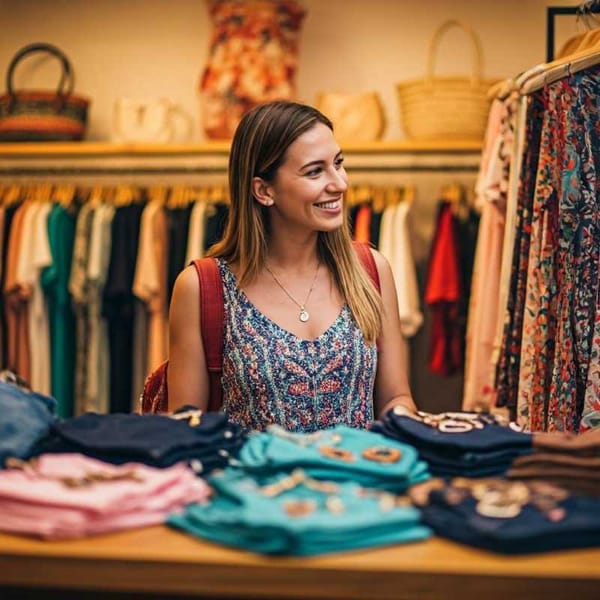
pixel 338 181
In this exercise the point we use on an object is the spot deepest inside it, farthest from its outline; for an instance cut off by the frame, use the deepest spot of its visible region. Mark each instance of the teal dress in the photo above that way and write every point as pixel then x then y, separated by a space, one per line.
pixel 55 283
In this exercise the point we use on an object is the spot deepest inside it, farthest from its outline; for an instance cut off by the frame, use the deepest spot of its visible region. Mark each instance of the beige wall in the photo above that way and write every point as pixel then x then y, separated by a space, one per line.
pixel 156 48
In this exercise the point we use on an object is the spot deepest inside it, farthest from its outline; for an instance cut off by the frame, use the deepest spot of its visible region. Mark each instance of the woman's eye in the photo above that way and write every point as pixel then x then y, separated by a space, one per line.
pixel 339 162
pixel 313 172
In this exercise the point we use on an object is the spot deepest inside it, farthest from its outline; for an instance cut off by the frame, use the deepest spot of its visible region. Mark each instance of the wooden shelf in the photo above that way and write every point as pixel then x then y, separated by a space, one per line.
pixel 82 160
pixel 88 149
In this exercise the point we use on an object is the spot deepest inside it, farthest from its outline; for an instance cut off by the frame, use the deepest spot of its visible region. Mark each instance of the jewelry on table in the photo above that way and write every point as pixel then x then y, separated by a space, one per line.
pixel 337 453
pixel 299 508
pixel 382 454
pixel 304 314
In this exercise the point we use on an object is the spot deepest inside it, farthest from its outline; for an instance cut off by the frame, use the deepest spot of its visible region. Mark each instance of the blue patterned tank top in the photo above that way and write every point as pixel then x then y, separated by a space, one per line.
pixel 272 376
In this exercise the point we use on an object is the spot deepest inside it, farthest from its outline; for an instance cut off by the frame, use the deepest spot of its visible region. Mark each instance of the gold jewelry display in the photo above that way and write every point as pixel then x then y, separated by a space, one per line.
pixel 337 453
pixel 304 314
pixel 299 508
pixel 382 454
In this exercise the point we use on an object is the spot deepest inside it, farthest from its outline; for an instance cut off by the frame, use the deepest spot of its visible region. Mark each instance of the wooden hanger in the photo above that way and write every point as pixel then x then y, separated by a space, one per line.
pixel 158 193
pixel 393 196
pixel 378 201
pixel 501 89
pixel 548 73
pixel 570 46
pixel 12 194
pixel 453 193
pixel 409 194
pixel 65 195
pixel 125 195
pixel 175 197
pixel 219 194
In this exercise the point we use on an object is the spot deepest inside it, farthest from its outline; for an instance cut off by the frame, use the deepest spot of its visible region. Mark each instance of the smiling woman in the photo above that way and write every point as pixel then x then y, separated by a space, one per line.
pixel 308 341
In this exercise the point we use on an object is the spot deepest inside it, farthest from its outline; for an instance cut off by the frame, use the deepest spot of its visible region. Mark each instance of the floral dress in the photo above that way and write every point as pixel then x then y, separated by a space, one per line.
pixel 271 376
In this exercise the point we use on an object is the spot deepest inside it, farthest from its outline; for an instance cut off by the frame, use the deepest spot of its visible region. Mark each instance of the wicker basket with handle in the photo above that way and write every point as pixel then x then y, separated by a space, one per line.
pixel 446 107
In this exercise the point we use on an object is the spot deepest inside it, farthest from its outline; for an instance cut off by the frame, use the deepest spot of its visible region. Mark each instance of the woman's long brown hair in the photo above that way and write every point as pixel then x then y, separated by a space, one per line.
pixel 258 149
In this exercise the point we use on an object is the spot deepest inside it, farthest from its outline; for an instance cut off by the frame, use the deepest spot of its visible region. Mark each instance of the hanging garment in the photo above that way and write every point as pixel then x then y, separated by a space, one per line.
pixel 362 225
pixel 508 364
pixel 195 246
pixel 79 293
pixel 55 281
pixel 395 245
pixel 118 303
pixel 9 213
pixel 17 357
pixel 149 283
pixel 97 380
pixel 178 220
pixel 40 257
pixel 483 299
pixel 443 293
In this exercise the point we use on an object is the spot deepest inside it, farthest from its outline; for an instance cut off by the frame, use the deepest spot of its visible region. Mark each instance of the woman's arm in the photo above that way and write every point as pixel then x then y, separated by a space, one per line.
pixel 391 382
pixel 187 375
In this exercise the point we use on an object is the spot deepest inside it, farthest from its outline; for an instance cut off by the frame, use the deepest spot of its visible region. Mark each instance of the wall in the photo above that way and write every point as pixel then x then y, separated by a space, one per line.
pixel 156 48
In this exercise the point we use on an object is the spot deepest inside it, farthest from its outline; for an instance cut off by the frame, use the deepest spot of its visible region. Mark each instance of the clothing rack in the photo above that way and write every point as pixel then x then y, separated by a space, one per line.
pixel 179 170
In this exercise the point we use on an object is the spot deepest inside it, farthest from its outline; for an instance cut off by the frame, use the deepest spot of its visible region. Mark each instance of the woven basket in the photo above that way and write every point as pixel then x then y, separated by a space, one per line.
pixel 46 116
pixel 446 107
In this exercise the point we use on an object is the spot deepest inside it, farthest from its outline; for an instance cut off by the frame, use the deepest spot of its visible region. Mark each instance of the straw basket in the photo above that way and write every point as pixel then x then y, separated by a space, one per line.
pixel 446 107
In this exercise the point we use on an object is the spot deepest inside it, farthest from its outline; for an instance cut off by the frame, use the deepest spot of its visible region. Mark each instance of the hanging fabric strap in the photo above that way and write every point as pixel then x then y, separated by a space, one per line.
pixel 211 324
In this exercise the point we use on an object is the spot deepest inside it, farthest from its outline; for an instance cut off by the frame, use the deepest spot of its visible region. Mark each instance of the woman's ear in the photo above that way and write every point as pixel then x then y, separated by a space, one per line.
pixel 261 190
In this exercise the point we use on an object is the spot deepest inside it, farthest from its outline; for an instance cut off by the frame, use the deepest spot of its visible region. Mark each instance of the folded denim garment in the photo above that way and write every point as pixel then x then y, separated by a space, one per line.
pixel 571 522
pixel 460 443
pixel 156 440
pixel 25 419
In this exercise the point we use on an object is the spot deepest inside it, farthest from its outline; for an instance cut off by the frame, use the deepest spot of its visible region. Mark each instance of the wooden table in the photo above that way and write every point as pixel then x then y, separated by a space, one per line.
pixel 160 562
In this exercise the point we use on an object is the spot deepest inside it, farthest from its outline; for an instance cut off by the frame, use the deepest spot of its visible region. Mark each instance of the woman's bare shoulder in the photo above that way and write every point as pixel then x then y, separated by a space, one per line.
pixel 186 284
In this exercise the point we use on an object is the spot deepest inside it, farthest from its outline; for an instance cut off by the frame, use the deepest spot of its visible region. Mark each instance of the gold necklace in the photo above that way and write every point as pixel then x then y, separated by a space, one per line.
pixel 304 314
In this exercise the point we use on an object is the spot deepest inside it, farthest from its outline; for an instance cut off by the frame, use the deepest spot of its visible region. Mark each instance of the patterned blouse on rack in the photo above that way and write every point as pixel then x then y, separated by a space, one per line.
pixel 272 376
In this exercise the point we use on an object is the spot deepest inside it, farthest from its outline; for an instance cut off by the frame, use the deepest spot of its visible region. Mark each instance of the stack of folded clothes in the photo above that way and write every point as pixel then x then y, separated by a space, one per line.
pixel 565 459
pixel 458 443
pixel 295 514
pixel 511 517
pixel 71 495
pixel 338 454
pixel 304 494
pixel 204 440
pixel 26 419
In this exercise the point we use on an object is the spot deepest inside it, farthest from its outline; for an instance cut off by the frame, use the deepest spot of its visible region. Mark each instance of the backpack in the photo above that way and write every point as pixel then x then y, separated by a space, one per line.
pixel 155 396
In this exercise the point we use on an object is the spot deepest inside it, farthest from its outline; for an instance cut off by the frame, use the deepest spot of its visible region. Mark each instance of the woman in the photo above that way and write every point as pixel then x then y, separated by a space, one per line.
pixel 308 340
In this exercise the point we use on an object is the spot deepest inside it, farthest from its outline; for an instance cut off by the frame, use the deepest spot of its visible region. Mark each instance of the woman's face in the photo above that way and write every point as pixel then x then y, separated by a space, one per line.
pixel 308 189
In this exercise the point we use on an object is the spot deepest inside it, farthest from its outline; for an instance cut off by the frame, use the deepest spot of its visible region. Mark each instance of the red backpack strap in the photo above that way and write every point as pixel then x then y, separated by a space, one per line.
pixel 368 262
pixel 211 323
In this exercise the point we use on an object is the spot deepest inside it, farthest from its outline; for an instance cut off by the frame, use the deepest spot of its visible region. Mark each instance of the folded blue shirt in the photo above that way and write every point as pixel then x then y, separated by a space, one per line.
pixel 345 517
pixel 340 453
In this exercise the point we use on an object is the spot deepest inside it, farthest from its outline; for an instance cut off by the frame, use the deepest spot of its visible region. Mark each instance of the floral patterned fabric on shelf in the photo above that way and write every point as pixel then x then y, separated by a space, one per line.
pixel 252 59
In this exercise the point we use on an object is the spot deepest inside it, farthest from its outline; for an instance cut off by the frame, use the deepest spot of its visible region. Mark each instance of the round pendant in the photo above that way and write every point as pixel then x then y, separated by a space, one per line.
pixel 304 316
